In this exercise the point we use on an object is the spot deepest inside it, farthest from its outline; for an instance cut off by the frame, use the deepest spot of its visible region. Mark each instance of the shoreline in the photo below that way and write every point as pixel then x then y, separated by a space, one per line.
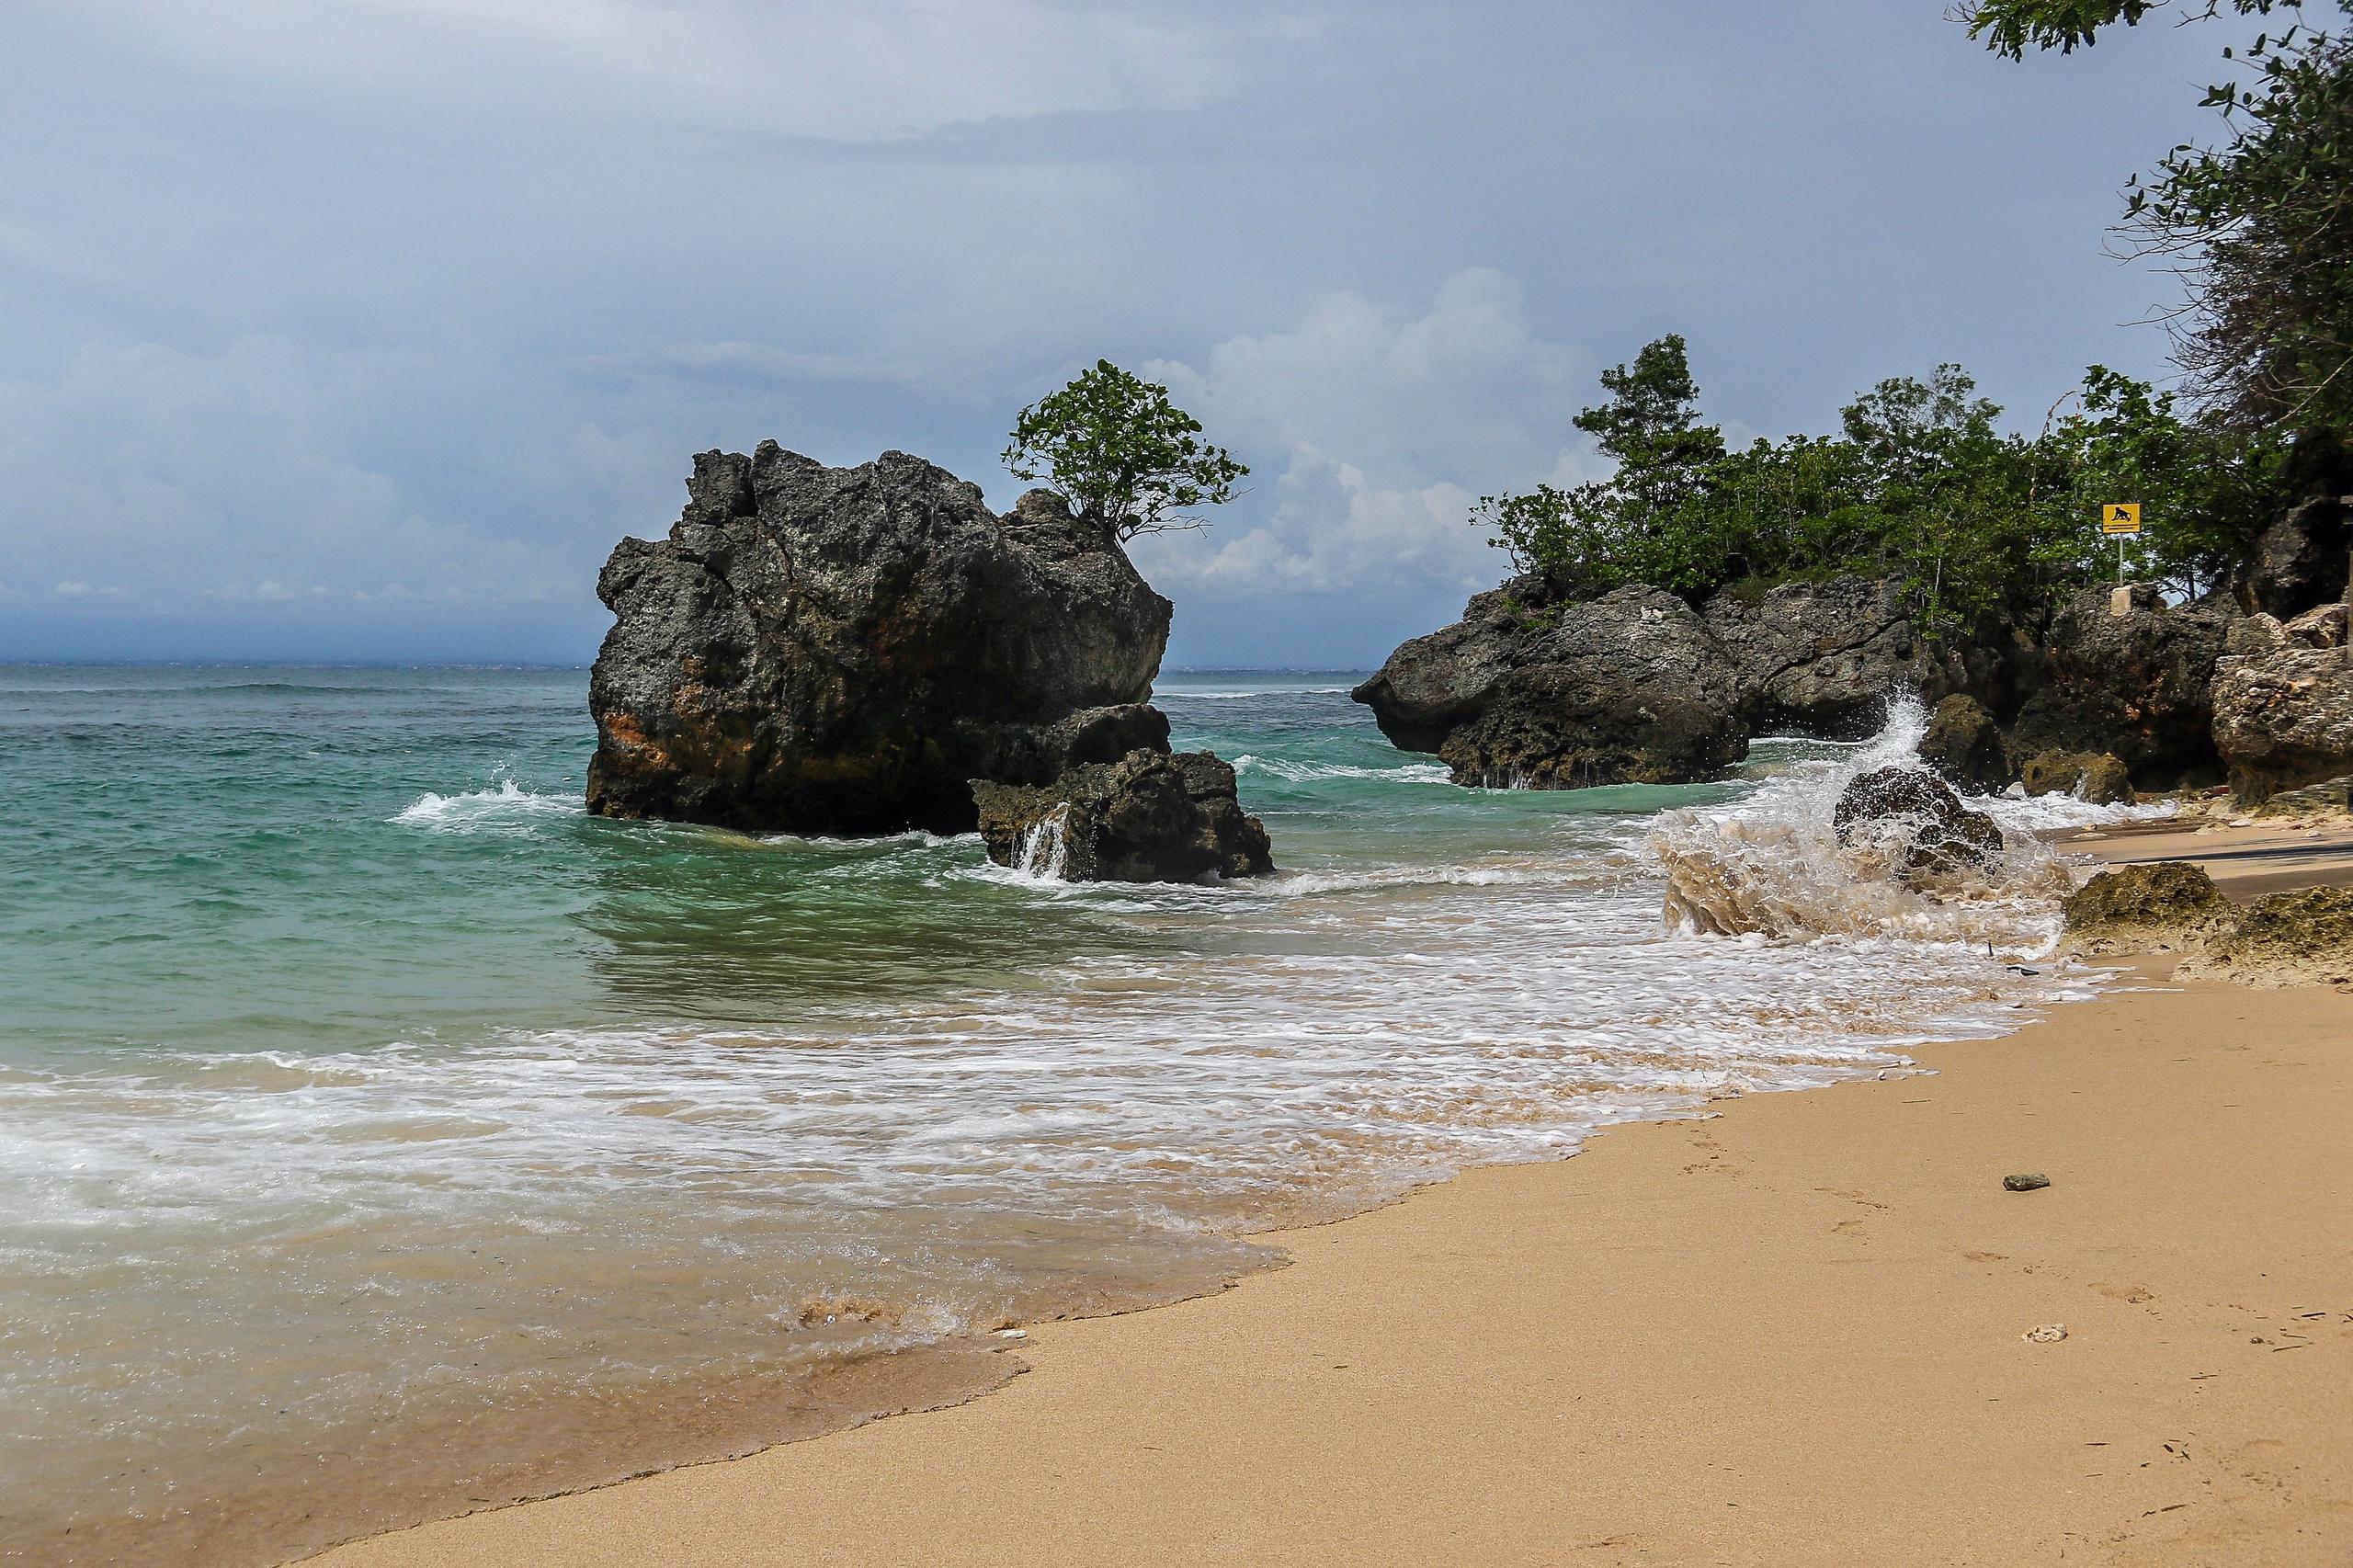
pixel 1809 1303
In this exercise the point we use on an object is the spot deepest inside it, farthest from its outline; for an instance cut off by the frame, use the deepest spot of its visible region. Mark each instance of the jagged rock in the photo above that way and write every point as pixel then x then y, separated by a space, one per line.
pixel 2155 908
pixel 841 650
pixel 1824 658
pixel 1915 816
pixel 1433 684
pixel 1966 746
pixel 2283 705
pixel 2304 557
pixel 2291 939
pixel 2135 686
pixel 2100 778
pixel 1149 817
pixel 1629 688
pixel 1633 687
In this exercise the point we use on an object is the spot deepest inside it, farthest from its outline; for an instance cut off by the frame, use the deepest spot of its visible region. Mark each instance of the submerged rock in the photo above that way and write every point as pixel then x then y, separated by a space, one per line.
pixel 1915 816
pixel 830 650
pixel 2100 778
pixel 1966 747
pixel 2291 939
pixel 2162 908
pixel 2283 705
pixel 1149 817
pixel 2135 686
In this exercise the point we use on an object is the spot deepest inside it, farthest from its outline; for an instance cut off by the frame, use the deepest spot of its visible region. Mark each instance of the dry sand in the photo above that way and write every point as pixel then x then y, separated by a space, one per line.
pixel 1788 1334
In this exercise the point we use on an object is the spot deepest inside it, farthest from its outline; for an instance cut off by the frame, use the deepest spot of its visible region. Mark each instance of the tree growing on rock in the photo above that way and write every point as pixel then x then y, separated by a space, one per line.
pixel 1124 457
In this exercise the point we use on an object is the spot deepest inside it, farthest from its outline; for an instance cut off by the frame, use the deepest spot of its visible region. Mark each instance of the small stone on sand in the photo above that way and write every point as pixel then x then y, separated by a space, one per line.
pixel 2025 1181
pixel 2047 1334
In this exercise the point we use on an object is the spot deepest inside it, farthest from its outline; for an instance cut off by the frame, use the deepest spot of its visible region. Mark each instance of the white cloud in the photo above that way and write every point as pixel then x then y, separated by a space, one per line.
pixel 874 70
pixel 1373 433
pixel 237 476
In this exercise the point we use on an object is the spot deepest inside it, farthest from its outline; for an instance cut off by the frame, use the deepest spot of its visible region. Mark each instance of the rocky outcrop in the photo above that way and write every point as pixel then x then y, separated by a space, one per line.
pixel 1824 658
pixel 2134 685
pixel 2291 939
pixel 1966 747
pixel 1149 817
pixel 1635 687
pixel 2282 701
pixel 2099 778
pixel 830 650
pixel 1913 817
pixel 1629 688
pixel 2156 908
pixel 1433 684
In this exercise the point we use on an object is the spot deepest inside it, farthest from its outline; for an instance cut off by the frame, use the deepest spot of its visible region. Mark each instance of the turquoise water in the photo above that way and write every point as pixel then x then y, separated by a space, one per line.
pixel 376 1127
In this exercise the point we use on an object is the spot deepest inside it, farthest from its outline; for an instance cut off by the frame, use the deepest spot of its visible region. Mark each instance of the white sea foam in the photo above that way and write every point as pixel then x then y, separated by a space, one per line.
pixel 1308 772
pixel 1772 864
pixel 504 805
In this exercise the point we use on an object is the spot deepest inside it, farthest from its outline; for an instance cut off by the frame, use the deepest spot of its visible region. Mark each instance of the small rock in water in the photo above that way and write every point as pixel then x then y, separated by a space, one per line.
pixel 1013 1334
pixel 2025 1181
pixel 2045 1333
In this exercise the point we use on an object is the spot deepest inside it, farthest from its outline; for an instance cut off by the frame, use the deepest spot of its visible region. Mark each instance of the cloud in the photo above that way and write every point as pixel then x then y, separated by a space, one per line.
pixel 1372 433
pixel 881 70
pixel 240 476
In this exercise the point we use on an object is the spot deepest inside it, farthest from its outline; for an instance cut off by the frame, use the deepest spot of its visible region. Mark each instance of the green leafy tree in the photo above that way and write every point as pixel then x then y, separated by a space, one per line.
pixel 2258 226
pixel 1123 456
pixel 1920 483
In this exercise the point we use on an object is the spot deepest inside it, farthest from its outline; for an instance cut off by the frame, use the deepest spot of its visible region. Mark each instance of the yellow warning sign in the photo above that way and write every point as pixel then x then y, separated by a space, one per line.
pixel 2121 517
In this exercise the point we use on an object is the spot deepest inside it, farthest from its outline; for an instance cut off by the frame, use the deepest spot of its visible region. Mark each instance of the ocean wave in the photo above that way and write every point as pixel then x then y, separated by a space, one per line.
pixel 1306 772
pixel 1773 865
pixel 1230 696
pixel 505 803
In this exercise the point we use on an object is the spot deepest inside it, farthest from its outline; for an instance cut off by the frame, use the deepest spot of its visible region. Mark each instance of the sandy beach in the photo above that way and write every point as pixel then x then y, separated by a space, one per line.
pixel 1806 1329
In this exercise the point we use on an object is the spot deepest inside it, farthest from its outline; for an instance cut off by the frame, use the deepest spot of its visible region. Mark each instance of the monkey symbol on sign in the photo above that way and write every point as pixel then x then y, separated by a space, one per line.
pixel 2121 517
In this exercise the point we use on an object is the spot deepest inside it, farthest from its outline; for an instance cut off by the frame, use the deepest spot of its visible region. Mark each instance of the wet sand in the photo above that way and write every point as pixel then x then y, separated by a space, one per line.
pixel 1791 1334
pixel 2246 862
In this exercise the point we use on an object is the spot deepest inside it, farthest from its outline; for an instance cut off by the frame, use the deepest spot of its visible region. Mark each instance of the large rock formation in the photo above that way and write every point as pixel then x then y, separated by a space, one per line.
pixel 2282 701
pixel 1636 687
pixel 830 650
pixel 1824 658
pixel 1149 817
pixel 2132 685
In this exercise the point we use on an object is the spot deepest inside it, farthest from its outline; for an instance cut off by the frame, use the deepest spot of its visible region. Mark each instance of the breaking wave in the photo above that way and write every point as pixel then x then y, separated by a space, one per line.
pixel 505 803
pixel 1772 864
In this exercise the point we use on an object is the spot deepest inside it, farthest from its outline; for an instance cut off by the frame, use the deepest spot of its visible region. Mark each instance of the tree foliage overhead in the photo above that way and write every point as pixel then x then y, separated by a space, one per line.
pixel 2259 226
pixel 1920 482
pixel 1121 454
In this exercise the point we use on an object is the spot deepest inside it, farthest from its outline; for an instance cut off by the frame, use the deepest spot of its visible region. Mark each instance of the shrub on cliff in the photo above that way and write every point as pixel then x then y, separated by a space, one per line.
pixel 1123 456
pixel 1919 483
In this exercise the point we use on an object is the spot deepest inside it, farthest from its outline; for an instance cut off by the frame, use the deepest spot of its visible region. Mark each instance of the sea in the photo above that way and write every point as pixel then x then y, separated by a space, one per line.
pixel 384 1137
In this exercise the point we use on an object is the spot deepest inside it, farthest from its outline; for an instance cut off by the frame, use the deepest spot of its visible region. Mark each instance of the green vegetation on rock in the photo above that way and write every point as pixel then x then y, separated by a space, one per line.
pixel 1920 483
pixel 1121 454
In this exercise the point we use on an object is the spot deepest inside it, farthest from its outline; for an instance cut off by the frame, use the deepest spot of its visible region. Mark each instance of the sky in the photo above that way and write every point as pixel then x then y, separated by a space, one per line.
pixel 360 330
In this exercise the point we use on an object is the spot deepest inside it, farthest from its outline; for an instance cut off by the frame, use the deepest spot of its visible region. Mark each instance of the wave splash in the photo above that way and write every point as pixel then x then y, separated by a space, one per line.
pixel 502 805
pixel 1772 864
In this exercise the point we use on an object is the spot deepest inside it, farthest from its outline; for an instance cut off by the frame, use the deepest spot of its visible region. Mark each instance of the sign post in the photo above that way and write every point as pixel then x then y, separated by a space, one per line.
pixel 2122 518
